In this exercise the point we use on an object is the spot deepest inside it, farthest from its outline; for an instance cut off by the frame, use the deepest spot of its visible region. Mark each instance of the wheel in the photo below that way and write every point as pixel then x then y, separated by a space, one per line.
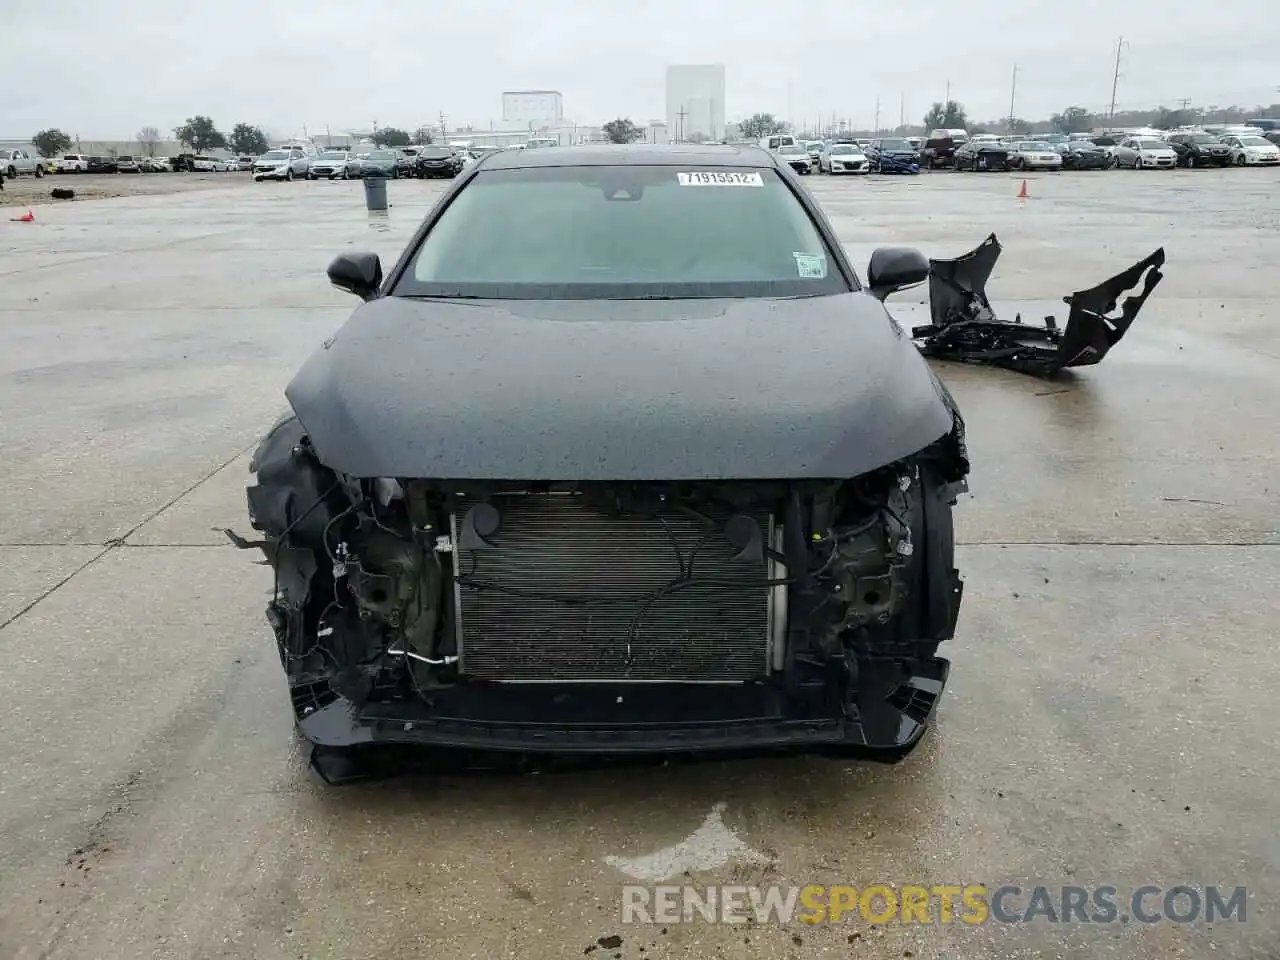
pixel 395 173
pixel 1191 161
pixel 1240 161
pixel 39 171
pixel 1137 163
pixel 12 173
pixel 288 174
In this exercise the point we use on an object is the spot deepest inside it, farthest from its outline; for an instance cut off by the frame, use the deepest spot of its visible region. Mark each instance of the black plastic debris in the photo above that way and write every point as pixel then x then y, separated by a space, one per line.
pixel 964 327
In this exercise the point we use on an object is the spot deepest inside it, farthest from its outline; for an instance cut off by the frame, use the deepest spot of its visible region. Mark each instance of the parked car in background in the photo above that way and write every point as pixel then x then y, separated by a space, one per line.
pixel 940 148
pixel 127 164
pixel 332 165
pixel 1058 141
pixel 796 157
pixel 978 155
pixel 1252 151
pixel 436 161
pixel 1199 150
pixel 155 165
pixel 843 158
pixel 384 163
pixel 101 165
pixel 203 164
pixel 1273 136
pixel 73 163
pixel 240 164
pixel 1086 155
pixel 1034 155
pixel 282 164
pixel 892 155
pixel 16 163
pixel 1140 152
pixel 814 149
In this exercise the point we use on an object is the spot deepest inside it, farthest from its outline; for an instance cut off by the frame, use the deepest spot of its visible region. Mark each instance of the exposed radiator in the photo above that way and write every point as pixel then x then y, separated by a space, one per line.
pixel 556 544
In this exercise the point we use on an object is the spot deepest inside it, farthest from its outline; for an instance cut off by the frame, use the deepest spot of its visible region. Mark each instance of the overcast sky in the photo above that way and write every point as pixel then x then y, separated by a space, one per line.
pixel 103 70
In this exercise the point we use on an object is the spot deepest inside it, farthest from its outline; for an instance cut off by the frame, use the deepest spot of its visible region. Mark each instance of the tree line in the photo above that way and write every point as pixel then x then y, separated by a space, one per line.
pixel 200 135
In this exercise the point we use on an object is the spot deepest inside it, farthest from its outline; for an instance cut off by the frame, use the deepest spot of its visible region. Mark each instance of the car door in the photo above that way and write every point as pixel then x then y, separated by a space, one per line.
pixel 1126 152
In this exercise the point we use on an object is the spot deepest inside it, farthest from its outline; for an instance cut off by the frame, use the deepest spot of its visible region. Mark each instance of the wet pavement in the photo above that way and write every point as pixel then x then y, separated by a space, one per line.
pixel 1105 722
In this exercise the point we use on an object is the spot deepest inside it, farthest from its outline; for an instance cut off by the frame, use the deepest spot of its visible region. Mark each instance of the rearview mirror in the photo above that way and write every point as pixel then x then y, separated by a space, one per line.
pixel 893 268
pixel 358 273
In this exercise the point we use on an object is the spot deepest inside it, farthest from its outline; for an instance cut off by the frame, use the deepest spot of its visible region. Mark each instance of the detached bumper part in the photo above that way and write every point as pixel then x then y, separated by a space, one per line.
pixel 964 327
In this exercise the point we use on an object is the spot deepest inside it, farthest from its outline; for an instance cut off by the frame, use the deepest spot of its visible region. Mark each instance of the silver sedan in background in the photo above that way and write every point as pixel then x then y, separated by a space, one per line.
pixel 1034 155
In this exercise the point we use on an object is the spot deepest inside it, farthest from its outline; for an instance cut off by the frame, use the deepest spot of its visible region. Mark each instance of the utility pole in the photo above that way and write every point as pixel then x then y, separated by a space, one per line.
pixel 443 134
pixel 1115 80
pixel 902 111
pixel 877 116
pixel 1013 92
pixel 946 100
pixel 680 126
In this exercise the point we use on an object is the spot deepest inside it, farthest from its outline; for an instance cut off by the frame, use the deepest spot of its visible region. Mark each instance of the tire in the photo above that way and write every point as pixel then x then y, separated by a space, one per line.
pixel 39 171
pixel 1191 161
pixel 1137 163
pixel 395 173
pixel 1240 160
pixel 12 173
pixel 288 175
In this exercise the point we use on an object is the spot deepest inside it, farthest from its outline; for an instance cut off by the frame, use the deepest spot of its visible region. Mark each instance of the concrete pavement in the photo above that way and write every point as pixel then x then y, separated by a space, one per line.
pixel 1104 725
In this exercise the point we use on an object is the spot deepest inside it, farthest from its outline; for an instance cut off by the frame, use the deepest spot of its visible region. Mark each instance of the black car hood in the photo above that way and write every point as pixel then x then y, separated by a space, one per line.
pixel 618 390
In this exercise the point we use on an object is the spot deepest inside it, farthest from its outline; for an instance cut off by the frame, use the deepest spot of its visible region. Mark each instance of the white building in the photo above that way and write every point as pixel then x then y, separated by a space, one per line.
pixel 532 106
pixel 695 102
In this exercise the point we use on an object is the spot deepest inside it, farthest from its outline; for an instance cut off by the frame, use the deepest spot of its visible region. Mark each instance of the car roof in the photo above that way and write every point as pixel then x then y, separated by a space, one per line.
pixel 634 154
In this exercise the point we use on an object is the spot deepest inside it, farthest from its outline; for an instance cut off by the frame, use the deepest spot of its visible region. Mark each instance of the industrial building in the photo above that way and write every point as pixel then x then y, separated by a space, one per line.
pixel 695 102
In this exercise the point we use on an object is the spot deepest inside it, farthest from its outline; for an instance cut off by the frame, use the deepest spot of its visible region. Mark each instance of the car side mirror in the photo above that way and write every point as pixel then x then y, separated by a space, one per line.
pixel 893 268
pixel 358 273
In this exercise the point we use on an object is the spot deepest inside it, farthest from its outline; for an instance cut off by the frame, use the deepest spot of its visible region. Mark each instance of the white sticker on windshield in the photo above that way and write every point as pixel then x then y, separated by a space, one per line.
pixel 720 178
pixel 811 266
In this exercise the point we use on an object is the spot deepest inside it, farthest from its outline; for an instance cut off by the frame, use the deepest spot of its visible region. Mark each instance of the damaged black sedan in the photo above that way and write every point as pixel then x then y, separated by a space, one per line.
pixel 620 457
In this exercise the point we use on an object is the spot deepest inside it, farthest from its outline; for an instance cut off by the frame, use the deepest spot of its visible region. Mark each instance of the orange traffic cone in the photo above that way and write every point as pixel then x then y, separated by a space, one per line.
pixel 27 217
pixel 1022 191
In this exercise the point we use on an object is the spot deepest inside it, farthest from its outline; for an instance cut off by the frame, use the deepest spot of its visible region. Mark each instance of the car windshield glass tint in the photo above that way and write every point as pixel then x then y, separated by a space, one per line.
pixel 434 153
pixel 382 155
pixel 623 232
pixel 274 155
pixel 332 156
pixel 1154 145
pixel 842 148
pixel 1255 142
pixel 894 145
pixel 1033 146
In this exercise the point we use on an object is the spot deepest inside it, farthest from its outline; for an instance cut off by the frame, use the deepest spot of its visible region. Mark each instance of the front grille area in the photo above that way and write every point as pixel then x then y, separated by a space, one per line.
pixel 559 545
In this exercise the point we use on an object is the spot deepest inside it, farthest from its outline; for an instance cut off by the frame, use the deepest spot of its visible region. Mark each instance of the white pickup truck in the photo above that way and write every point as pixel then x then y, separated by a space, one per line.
pixel 16 162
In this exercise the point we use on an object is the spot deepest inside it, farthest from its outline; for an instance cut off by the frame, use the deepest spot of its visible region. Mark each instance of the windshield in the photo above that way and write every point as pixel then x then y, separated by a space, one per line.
pixel 894 145
pixel 435 153
pixel 1034 146
pixel 1256 142
pixel 1204 138
pixel 1084 145
pixel 1154 145
pixel 333 155
pixel 382 155
pixel 843 148
pixel 1055 138
pixel 623 232
pixel 791 149
pixel 274 155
